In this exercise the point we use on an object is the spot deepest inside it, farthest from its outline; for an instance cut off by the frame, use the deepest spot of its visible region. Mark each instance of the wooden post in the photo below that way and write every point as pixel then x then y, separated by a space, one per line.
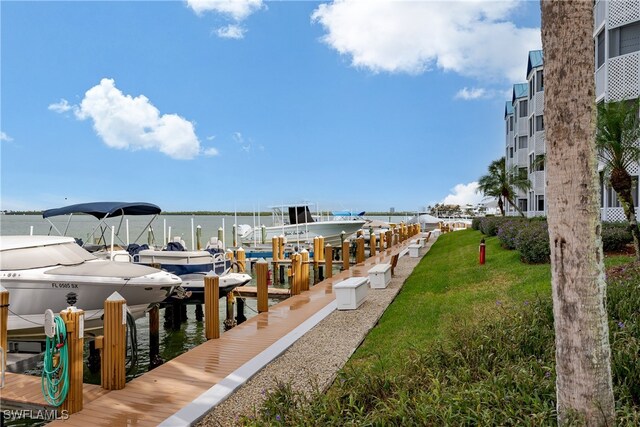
pixel 242 260
pixel 211 307
pixel 198 237
pixel 229 321
pixel 296 273
pixel 389 238
pixel 318 251
pixel 304 283
pixel 381 241
pixel 345 255
pixel 328 261
pixel 262 270
pixel 114 345
pixel 74 321
pixel 4 319
pixel 360 250
pixel 154 337
pixel 321 246
pixel 240 317
pixel 372 244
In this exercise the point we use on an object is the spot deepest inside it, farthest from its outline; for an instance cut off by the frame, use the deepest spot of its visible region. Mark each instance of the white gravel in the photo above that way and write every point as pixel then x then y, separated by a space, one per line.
pixel 315 359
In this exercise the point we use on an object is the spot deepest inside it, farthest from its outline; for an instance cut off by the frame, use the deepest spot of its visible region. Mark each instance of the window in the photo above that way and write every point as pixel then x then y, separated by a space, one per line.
pixel 531 126
pixel 522 173
pixel 531 164
pixel 522 142
pixel 540 203
pixel 531 86
pixel 511 152
pixel 600 50
pixel 539 123
pixel 522 204
pixel 625 39
pixel 523 109
pixel 511 123
pixel 538 163
pixel 539 81
pixel 507 126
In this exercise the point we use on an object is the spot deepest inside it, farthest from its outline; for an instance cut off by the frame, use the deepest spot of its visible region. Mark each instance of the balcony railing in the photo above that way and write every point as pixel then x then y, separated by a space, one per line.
pixel 623 77
pixel 599 13
pixel 601 74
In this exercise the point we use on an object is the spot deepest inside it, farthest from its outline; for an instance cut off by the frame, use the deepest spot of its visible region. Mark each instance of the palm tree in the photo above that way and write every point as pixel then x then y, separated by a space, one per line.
pixel 583 356
pixel 617 134
pixel 502 184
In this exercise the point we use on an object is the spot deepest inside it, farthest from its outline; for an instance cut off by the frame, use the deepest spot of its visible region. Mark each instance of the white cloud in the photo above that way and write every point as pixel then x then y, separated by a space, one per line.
pixel 210 152
pixel 233 31
pixel 473 38
pixel 463 194
pixel 5 137
pixel 235 9
pixel 60 107
pixel 125 122
pixel 473 93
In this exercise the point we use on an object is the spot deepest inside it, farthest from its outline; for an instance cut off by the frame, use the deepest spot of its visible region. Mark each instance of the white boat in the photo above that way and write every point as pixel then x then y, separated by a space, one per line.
pixel 53 272
pixel 298 227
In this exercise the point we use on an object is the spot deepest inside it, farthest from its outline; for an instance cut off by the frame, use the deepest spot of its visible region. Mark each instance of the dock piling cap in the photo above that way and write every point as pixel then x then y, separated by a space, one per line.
pixel 115 297
pixel 211 273
pixel 3 289
pixel 261 261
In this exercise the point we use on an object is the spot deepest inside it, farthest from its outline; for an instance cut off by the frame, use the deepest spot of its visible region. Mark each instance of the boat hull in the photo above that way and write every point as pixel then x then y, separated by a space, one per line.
pixel 331 231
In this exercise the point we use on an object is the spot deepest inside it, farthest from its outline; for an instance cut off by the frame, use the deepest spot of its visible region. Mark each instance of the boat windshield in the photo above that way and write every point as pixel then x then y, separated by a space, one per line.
pixel 43 256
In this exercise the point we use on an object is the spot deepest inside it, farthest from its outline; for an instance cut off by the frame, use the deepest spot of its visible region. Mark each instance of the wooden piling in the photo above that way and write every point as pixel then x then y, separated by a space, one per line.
pixel 229 321
pixel 317 256
pixel 328 261
pixel 154 337
pixel 74 322
pixel 4 320
pixel 360 250
pixel 281 247
pixel 304 282
pixel 389 238
pixel 211 307
pixel 296 273
pixel 321 247
pixel 372 244
pixel 114 345
pixel 242 260
pixel 275 255
pixel 345 255
pixel 240 317
pixel 262 270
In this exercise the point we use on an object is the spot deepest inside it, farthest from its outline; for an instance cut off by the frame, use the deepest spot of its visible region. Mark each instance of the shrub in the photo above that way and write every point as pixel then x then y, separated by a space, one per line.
pixel 615 236
pixel 489 225
pixel 533 242
pixel 508 232
pixel 475 223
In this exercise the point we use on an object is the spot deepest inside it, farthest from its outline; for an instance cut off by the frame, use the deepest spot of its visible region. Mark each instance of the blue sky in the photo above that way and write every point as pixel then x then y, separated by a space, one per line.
pixel 240 104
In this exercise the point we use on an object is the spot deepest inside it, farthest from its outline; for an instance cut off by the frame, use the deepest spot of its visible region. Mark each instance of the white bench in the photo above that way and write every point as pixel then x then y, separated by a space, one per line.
pixel 414 250
pixel 351 292
pixel 380 276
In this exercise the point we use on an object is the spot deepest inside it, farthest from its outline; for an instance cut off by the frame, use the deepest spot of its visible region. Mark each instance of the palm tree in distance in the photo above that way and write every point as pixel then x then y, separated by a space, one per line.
pixel 617 134
pixel 503 184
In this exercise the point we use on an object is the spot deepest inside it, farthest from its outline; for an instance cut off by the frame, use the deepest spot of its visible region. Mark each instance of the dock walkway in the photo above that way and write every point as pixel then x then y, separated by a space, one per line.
pixel 163 392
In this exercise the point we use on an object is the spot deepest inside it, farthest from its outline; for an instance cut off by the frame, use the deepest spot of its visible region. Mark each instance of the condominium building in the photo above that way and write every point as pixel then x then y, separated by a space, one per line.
pixel 617 77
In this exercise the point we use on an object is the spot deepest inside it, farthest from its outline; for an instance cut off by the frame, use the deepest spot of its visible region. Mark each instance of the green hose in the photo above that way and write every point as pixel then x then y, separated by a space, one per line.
pixel 55 379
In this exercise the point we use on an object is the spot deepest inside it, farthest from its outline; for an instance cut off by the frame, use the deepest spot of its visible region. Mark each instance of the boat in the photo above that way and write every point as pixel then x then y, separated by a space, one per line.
pixel 174 257
pixel 298 227
pixel 54 272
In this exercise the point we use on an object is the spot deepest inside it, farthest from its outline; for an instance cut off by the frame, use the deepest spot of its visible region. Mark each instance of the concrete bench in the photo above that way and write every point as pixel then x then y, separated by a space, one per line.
pixel 380 276
pixel 351 292
pixel 414 250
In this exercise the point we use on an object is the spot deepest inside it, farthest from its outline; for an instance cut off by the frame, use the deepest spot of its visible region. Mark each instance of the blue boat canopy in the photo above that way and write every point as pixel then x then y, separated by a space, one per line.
pixel 101 210
pixel 347 213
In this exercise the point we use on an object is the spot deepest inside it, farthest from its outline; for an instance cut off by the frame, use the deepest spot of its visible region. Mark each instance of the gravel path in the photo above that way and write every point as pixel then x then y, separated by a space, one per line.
pixel 316 358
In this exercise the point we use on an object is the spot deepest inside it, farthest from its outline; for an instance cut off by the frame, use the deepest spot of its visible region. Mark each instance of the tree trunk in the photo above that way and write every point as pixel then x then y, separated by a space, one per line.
pixel 583 372
pixel 501 206
pixel 515 206
pixel 622 184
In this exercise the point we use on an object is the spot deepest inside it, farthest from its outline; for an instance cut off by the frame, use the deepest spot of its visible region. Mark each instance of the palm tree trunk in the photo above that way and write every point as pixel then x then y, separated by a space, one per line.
pixel 515 206
pixel 501 206
pixel 583 372
pixel 621 182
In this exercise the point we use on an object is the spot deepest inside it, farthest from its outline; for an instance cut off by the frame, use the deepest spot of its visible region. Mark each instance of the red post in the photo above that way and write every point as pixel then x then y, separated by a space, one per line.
pixel 482 252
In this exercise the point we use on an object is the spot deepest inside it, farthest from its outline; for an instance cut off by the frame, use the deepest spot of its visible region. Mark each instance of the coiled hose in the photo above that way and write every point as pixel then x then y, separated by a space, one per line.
pixel 55 372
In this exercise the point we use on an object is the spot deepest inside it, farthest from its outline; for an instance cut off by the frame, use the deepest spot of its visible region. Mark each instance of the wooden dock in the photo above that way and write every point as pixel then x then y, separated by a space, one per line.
pixel 252 292
pixel 157 395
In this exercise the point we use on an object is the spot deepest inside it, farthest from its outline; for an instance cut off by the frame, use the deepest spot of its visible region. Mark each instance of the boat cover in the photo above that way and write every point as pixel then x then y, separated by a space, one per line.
pixel 112 269
pixel 101 210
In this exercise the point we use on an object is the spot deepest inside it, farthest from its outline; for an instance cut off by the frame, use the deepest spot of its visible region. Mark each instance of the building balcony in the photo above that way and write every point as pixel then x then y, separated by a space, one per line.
pixel 599 14
pixel 601 74
pixel 623 77
pixel 615 214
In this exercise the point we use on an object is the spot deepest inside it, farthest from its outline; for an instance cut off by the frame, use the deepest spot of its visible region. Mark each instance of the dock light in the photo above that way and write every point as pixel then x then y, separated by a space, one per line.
pixel 482 252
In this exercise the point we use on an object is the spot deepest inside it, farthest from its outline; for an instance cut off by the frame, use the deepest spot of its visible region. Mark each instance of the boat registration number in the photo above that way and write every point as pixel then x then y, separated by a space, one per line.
pixel 64 285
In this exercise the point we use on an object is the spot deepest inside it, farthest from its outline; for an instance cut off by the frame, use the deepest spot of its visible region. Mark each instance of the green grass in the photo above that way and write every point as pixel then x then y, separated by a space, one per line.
pixel 449 288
